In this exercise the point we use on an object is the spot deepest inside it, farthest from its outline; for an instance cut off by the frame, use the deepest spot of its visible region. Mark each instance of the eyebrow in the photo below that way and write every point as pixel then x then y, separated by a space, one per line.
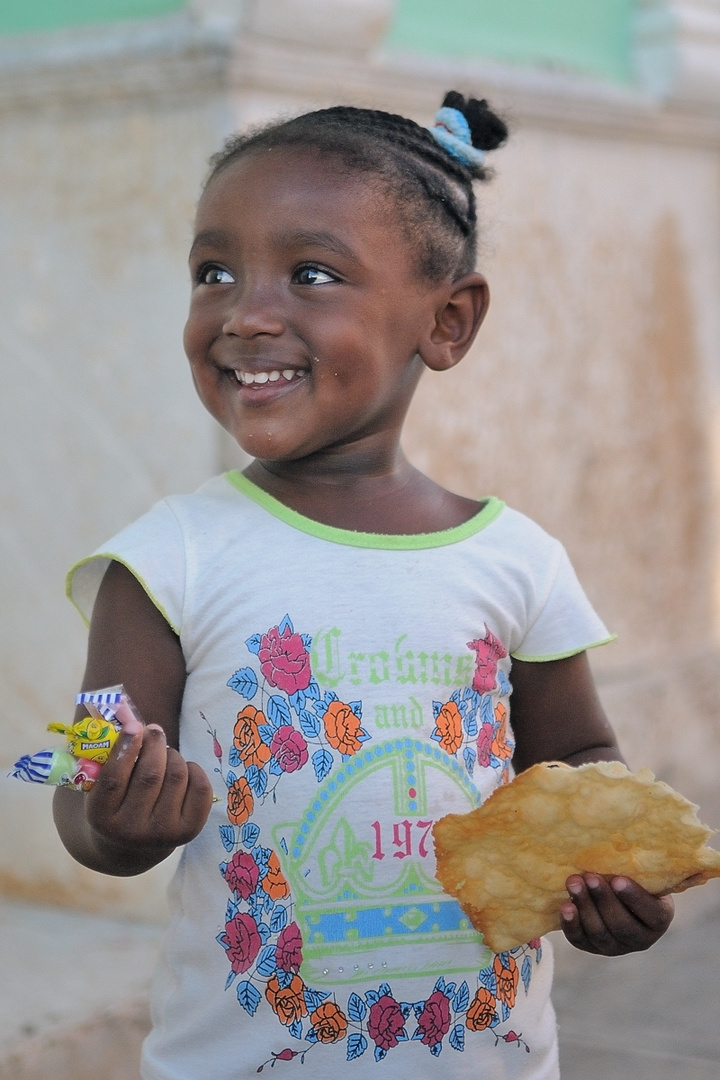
pixel 329 241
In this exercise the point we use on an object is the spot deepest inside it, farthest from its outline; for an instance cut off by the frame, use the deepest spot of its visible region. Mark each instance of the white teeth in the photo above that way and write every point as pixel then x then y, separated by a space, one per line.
pixel 248 378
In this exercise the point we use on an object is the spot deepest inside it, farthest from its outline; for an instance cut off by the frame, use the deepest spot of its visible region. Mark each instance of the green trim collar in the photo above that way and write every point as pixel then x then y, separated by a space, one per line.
pixel 491 509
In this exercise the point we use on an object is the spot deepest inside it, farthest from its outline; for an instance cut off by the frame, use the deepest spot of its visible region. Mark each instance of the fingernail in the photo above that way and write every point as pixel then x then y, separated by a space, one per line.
pixel 567 913
pixel 592 881
pixel 575 888
pixel 155 728
pixel 619 884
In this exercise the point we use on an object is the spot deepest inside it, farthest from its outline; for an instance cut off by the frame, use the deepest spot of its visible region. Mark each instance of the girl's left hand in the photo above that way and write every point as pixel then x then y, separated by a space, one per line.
pixel 613 918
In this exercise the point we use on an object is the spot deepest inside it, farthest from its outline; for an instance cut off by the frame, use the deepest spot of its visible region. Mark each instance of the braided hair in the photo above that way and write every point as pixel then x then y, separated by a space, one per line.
pixel 431 187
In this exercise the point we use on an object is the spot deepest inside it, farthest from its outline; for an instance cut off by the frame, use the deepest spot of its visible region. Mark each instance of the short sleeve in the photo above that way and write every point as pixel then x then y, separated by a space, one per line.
pixel 565 622
pixel 153 550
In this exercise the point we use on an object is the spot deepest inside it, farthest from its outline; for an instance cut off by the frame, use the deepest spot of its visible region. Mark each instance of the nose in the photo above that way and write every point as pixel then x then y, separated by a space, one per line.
pixel 255 309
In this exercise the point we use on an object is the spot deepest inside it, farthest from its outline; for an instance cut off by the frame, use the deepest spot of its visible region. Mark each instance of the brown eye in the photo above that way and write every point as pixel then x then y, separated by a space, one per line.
pixel 312 275
pixel 215 275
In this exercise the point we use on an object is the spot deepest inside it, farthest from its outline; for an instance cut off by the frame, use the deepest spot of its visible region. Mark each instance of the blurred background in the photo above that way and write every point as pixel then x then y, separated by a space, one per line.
pixel 590 400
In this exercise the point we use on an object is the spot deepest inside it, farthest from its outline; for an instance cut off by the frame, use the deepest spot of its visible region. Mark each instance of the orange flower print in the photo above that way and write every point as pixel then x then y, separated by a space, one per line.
pixel 500 746
pixel 329 1023
pixel 287 1002
pixel 252 750
pixel 240 801
pixel 448 726
pixel 507 980
pixel 481 1013
pixel 274 882
pixel 342 728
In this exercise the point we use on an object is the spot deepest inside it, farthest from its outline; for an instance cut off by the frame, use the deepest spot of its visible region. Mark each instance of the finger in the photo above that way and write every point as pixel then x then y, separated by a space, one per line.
pixel 108 791
pixel 654 912
pixel 585 926
pixel 197 802
pixel 148 776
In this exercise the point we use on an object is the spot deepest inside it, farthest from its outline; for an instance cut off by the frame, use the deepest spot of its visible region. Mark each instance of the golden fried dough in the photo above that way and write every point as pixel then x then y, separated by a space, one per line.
pixel 507 861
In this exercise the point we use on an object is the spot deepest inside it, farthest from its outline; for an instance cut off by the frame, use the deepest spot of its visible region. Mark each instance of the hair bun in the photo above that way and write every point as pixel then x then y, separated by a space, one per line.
pixel 487 130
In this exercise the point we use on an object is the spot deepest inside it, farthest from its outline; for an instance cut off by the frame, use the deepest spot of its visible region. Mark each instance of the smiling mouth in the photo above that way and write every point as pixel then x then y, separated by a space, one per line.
pixel 259 378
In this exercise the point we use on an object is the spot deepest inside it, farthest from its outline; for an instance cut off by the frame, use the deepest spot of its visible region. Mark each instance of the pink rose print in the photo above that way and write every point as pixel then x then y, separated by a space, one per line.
pixel 284 660
pixel 434 1020
pixel 385 1022
pixel 288 951
pixel 289 748
pixel 484 743
pixel 488 651
pixel 243 942
pixel 242 874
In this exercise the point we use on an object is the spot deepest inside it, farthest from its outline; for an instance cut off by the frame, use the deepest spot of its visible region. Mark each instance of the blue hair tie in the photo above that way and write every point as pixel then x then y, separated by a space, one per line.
pixel 452 132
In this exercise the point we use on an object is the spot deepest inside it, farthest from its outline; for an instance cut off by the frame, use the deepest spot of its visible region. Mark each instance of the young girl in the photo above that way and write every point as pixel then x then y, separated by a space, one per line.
pixel 323 646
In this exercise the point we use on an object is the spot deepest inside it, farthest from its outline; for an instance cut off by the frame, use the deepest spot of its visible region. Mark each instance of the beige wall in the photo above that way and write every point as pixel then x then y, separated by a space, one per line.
pixel 587 402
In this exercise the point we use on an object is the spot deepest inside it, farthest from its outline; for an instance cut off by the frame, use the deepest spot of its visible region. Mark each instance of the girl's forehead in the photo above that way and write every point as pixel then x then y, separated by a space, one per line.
pixel 292 179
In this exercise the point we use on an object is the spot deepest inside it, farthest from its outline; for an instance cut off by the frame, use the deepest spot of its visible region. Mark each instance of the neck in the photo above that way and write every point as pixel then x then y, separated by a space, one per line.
pixel 372 493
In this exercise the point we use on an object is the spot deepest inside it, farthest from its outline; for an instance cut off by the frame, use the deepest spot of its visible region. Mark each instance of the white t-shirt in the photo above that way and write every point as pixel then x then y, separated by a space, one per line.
pixel 344 691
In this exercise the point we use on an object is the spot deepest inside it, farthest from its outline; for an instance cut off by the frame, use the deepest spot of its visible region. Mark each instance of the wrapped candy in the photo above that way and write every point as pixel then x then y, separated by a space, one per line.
pixel 89 742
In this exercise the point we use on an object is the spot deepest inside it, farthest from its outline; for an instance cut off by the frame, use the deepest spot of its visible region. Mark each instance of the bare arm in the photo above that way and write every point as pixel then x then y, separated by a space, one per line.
pixel 557 716
pixel 148 799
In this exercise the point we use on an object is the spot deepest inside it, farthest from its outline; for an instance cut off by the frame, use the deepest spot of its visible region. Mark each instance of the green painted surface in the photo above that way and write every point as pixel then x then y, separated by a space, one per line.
pixel 593 36
pixel 20 16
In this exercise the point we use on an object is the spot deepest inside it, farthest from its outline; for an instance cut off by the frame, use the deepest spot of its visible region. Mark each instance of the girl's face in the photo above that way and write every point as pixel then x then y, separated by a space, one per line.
pixel 306 313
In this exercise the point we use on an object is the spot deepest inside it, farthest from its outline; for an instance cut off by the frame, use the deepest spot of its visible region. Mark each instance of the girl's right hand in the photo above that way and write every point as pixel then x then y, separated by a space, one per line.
pixel 147 800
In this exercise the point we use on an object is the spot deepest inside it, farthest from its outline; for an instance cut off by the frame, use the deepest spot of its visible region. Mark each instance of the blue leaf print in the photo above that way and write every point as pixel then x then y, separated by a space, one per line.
pixel 309 724
pixel 230 778
pixel 279 919
pixel 263 931
pixel 227 835
pixel 488 980
pixel 286 624
pixel 330 696
pixel 436 1049
pixel 356 707
pixel 417 1034
pixel 244 682
pixel 471 726
pixel 274 767
pixel 322 763
pixel 253 643
pixel 232 976
pixel 371 997
pixel 312 690
pixel 384 990
pixel 267 963
pixel 231 911
pixel 250 833
pixel 284 978
pixel 462 998
pixel 436 707
pixel 311 1036
pixel 356 1008
pixel 538 955
pixel 503 685
pixel 278 711
pixel 257 779
pixel 440 985
pixel 380 1053
pixel 295 1029
pixel 504 1012
pixel 504 958
pixel 261 855
pixel 469 759
pixel 249 997
pixel 356 1046
pixel 526 972
pixel 363 735
pixel 306 640
pixel 418 1008
pixel 457 1037
pixel 297 701
pixel 320 707
pixel 486 709
pixel 234 758
pixel 266 733
pixel 313 999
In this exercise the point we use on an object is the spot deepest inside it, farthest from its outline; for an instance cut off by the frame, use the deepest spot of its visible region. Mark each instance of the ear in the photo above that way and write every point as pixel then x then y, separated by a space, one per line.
pixel 457 321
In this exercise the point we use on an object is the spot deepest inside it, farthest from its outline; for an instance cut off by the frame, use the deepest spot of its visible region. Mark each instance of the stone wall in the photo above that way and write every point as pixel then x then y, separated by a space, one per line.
pixel 588 401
